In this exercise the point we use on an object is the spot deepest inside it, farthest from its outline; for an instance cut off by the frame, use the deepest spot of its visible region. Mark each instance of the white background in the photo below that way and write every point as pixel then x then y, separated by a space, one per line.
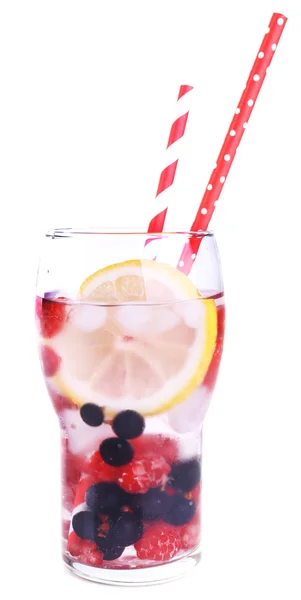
pixel 87 97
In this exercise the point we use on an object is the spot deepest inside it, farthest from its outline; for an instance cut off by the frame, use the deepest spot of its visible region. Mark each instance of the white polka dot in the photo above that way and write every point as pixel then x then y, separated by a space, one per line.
pixel 222 179
pixel 274 46
pixel 256 77
pixel 209 186
pixel 267 69
pixel 215 203
pixel 268 30
pixel 261 55
pixel 204 211
pixel 227 157
pixel 193 256
pixel 232 132
pixel 250 102
pixel 245 125
pixel 181 263
pixel 280 21
pixel 237 111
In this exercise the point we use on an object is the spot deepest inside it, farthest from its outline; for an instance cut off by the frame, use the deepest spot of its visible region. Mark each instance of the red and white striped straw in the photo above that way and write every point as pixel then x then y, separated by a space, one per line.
pixel 172 157
pixel 233 138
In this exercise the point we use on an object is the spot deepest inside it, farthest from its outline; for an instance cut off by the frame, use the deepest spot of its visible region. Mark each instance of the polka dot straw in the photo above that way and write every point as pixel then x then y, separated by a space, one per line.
pixel 233 137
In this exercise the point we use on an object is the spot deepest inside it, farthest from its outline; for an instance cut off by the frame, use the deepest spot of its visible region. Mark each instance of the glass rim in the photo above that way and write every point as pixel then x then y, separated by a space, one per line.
pixel 70 232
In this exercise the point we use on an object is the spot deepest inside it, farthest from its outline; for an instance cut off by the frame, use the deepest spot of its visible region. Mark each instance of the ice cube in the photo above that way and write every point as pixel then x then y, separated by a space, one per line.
pixel 158 425
pixel 190 446
pixel 163 320
pixel 134 319
pixel 188 416
pixel 83 438
pixel 88 318
pixel 192 312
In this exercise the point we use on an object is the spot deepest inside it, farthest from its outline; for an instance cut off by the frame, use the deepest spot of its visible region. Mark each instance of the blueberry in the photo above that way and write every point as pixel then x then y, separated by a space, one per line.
pixel 106 498
pixel 128 424
pixel 85 524
pixel 109 551
pixel 125 530
pixel 116 451
pixel 185 475
pixel 152 505
pixel 92 414
pixel 180 510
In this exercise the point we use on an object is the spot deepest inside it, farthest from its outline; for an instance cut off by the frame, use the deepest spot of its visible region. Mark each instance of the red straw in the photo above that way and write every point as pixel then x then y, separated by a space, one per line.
pixel 168 174
pixel 233 137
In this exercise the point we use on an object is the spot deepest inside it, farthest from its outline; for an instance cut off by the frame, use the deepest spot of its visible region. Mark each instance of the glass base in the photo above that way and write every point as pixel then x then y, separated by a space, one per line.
pixel 144 576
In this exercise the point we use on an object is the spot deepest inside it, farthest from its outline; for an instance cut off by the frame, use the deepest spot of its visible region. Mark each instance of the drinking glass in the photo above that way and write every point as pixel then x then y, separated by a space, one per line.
pixel 130 350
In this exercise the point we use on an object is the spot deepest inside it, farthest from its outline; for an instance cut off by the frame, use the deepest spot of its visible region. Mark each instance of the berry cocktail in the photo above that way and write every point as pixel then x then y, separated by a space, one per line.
pixel 130 356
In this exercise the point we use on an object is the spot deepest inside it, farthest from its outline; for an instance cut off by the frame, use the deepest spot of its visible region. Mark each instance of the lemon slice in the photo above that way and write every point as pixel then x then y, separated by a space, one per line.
pixel 141 338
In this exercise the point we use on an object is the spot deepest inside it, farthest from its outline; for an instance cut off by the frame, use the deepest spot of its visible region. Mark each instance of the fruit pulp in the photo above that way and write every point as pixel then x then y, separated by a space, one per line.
pixel 131 464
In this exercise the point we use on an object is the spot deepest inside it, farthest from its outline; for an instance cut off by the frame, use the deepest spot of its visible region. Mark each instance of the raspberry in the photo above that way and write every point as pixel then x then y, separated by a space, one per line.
pixel 96 467
pixel 65 528
pixel 141 474
pixel 91 555
pixel 71 465
pixel 74 544
pixel 38 307
pixel 164 446
pixel 190 534
pixel 86 552
pixel 52 316
pixel 68 496
pixel 50 361
pixel 167 447
pixel 71 473
pixel 159 542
